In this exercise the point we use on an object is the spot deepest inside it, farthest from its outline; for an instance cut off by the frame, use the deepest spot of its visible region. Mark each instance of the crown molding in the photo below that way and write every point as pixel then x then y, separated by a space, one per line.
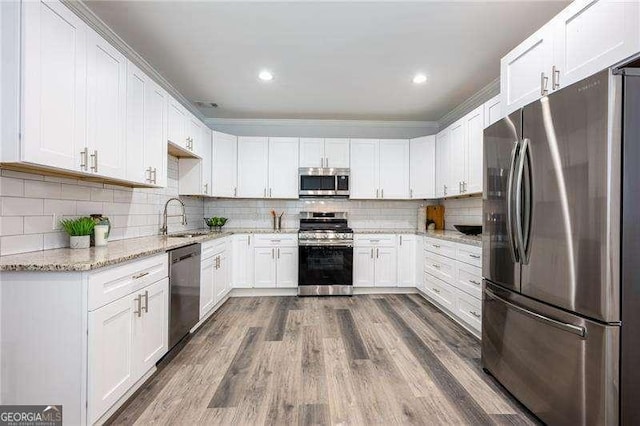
pixel 83 11
pixel 487 92
pixel 285 122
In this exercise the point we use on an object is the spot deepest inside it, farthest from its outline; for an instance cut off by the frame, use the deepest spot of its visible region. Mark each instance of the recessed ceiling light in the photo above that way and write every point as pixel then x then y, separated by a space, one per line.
pixel 419 79
pixel 265 75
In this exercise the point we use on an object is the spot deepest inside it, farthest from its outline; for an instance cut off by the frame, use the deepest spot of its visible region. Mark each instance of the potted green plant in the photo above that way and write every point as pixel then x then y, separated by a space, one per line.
pixel 79 231
pixel 215 223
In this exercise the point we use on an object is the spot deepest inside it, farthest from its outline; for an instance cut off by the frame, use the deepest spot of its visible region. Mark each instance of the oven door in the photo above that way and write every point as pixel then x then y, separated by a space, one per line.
pixel 325 265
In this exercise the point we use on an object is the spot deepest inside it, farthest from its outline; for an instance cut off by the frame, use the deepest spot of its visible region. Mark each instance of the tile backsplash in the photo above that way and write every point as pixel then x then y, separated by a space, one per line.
pixel 462 211
pixel 32 205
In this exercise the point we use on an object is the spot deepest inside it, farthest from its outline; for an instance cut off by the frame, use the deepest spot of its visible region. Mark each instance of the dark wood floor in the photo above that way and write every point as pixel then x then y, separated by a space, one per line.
pixel 391 359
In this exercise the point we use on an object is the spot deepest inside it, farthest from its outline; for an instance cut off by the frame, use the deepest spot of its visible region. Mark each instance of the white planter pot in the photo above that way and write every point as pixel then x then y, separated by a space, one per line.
pixel 80 242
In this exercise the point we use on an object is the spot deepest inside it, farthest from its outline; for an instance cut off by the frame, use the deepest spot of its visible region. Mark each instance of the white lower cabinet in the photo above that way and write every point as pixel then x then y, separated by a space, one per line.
pixel 407 260
pixel 265 267
pixel 207 277
pixel 276 261
pixel 375 261
pixel 126 339
pixel 242 261
pixel 215 279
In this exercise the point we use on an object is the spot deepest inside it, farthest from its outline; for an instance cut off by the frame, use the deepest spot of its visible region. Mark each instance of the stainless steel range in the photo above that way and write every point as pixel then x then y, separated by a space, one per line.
pixel 325 265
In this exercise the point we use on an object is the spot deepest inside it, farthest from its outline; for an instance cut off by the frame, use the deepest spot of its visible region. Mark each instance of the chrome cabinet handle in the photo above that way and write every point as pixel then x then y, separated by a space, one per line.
pixel 273 253
pixel 139 302
pixel 400 239
pixel 155 175
pixel 475 256
pixel 377 193
pixel 474 282
pixel 377 253
pixel 321 162
pixel 140 275
pixel 84 154
pixel 206 188
pixel 555 77
pixel 445 189
pixel 382 193
pixel 265 193
pixel 411 193
pixel 436 290
pixel 146 301
pixel 475 314
pixel 435 265
pixel 249 240
pixel 372 253
pixel 148 179
pixel 235 191
pixel 460 187
pixel 436 245
pixel 278 252
pixel 269 192
pixel 326 162
pixel 94 158
pixel 544 80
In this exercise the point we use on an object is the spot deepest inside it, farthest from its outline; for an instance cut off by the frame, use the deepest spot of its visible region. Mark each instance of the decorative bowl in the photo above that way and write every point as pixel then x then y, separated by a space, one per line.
pixel 469 229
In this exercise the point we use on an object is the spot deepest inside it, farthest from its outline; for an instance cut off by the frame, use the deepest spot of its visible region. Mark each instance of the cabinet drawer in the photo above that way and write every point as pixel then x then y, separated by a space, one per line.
pixel 469 310
pixel 469 279
pixel 379 240
pixel 107 285
pixel 210 248
pixel 273 240
pixel 470 254
pixel 440 267
pixel 440 247
pixel 440 291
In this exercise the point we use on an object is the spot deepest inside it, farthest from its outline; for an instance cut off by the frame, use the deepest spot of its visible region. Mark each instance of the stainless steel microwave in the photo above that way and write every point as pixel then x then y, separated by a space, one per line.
pixel 324 182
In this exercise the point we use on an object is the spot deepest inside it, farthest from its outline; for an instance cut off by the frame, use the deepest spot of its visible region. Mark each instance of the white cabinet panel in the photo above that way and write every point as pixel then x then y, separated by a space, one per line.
pixel 194 133
pixel 364 169
pixel 265 267
pixel 492 111
pixel 177 124
pixel 386 267
pixel 312 152
pixel 525 71
pixel 394 169
pixel 106 107
pixel 54 85
pixel 194 174
pixel 363 266
pixel 283 168
pixel 253 167
pixel 225 165
pixel 407 260
pixel 336 152
pixel 242 261
pixel 591 35
pixel 287 267
pixel 206 147
pixel 151 327
pixel 135 125
pixel 221 278
pixel 422 167
pixel 207 291
pixel 474 127
pixel 442 163
pixel 155 144
pixel 456 165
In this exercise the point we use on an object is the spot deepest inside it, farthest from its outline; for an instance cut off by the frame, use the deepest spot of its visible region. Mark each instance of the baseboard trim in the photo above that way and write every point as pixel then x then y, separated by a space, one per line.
pixel 258 292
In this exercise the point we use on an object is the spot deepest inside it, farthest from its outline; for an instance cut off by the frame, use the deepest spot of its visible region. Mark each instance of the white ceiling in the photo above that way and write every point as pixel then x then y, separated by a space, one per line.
pixel 331 60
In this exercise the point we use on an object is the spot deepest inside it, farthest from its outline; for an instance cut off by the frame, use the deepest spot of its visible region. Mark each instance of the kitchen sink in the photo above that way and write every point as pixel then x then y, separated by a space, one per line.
pixel 188 234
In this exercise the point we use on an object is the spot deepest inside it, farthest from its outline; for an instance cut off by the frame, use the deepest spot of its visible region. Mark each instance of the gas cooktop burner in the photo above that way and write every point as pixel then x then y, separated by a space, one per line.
pixel 317 226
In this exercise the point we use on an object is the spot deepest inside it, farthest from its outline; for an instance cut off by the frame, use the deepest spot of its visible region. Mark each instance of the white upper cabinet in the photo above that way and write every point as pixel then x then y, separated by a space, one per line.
pixel 364 169
pixel 135 127
pixel 442 163
pixel 106 107
pixel 283 168
pixel 492 111
pixel 394 169
pixel 224 172
pixel 312 152
pixel 591 35
pixel 205 151
pixel 474 128
pixel 525 71
pixel 54 85
pixel 194 133
pixel 456 164
pixel 423 167
pixel 177 124
pixel 194 174
pixel 336 153
pixel 253 167
pixel 155 135
pixel 319 152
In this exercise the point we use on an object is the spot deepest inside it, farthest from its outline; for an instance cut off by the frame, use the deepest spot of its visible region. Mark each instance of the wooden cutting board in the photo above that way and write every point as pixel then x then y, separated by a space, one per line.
pixel 436 214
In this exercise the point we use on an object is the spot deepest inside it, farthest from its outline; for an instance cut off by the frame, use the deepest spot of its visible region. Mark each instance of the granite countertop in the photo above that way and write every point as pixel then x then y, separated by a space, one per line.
pixel 68 260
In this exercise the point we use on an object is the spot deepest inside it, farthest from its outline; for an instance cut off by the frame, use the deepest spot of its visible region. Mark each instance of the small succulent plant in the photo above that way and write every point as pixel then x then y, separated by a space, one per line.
pixel 78 227
pixel 215 221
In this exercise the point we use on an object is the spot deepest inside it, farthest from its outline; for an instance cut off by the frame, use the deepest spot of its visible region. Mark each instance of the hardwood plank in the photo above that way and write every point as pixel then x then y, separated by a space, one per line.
pixel 458 397
pixel 285 396
pixel 314 414
pixel 275 329
pixel 350 335
pixel 228 391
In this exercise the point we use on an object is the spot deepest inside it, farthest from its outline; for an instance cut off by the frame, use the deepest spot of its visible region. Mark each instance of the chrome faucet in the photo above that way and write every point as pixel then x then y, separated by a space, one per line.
pixel 165 225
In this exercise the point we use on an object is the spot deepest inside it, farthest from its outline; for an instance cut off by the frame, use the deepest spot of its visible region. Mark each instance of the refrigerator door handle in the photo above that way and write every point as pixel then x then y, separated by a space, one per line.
pixel 524 151
pixel 512 246
pixel 580 331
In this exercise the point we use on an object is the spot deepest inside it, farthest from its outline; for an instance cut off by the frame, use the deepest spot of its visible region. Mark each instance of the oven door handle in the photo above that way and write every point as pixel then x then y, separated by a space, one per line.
pixel 324 244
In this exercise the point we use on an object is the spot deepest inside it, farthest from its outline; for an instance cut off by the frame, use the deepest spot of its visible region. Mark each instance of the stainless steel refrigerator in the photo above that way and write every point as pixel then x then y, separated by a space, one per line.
pixel 561 252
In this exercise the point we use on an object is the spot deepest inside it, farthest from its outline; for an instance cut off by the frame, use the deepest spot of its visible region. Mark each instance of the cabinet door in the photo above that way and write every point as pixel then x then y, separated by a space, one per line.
pixel 336 152
pixel 253 167
pixel 155 145
pixel 312 152
pixel 287 267
pixel 422 167
pixel 364 266
pixel 442 163
pixel 364 169
pixel 525 71
pixel 591 35
pixel 394 169
pixel 177 124
pixel 54 85
pixel 225 165
pixel 220 281
pixel 386 267
pixel 264 267
pixel 205 153
pixel 106 107
pixel 110 350
pixel 474 127
pixel 194 132
pixel 456 157
pixel 207 285
pixel 150 331
pixel 492 111
pixel 242 260
pixel 407 260
pixel 283 168
pixel 137 83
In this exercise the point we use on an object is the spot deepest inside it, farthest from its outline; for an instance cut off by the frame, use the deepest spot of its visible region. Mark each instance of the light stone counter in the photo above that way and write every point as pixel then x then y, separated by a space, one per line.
pixel 453 236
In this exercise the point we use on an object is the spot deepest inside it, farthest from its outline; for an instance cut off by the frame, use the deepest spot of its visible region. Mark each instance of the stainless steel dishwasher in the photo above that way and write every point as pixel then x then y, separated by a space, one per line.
pixel 184 281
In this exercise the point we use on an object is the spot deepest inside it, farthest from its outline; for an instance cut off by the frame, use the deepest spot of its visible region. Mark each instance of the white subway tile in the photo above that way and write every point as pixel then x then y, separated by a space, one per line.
pixel 21 206
pixel 11 225
pixel 11 187
pixel 85 208
pixel 75 192
pixel 56 240
pixel 58 207
pixel 39 224
pixel 21 244
pixel 101 194
pixel 42 189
